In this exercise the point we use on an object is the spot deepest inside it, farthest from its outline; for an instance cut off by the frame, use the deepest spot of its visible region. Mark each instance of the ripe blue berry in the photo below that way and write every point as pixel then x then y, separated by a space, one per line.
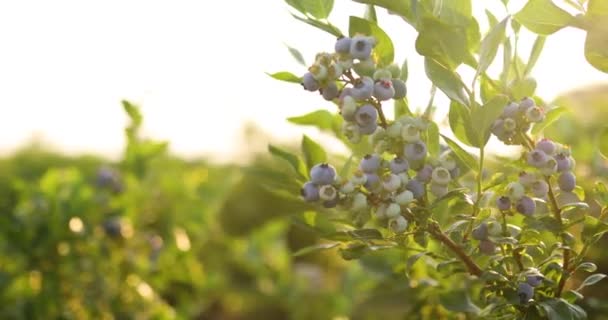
pixel 369 128
pixel 343 45
pixel 310 192
pixel 539 188
pixel 309 83
pixel 526 179
pixel 363 88
pixel 480 232
pixel 370 163
pixel 526 103
pixel 415 151
pixel 487 247
pixel 564 163
pixel 383 90
pixel 361 47
pixel 416 187
pixel 511 110
pixel 398 224
pixel 372 182
pixel 366 115
pixel 503 203
pixel 547 146
pixel 322 174
pixel 400 89
pixel 525 292
pixel 526 206
pixel 398 165
pixel 535 280
pixel 330 91
pixel 425 174
pixel 566 181
pixel 391 182
pixel 537 158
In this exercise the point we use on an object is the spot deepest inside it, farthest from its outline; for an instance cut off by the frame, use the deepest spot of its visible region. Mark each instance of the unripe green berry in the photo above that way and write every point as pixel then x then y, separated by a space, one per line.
pixel 404 197
pixel 410 133
pixel 359 178
pixel 391 182
pixel 359 202
pixel 441 176
pixel 382 74
pixel 395 70
pixel 398 224
pixel 394 130
pixel 393 210
pixel 515 190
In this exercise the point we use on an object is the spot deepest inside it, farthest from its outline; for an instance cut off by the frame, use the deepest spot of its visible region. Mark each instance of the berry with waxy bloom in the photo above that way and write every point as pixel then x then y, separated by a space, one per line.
pixel 394 129
pixel 309 83
pixel 539 188
pixel 410 133
pixel 330 91
pixel 404 197
pixel 537 158
pixel 526 103
pixel 441 176
pixel 526 206
pixel 487 247
pixel 547 146
pixel 383 90
pixel 370 163
pixel 369 128
pixel 415 151
pixel 439 190
pixel 400 89
pixel 358 178
pixel 391 182
pixel 348 108
pixel 566 181
pixel 366 115
pixel 359 202
pixel 564 163
pixel 361 47
pixel 416 187
pixel 310 192
pixel 535 114
pixel 534 280
pixel 515 190
pixel 525 292
pixel 425 174
pixel 343 45
pixel 328 192
pixel 398 224
pixel 393 210
pixel 322 174
pixel 549 168
pixel 372 182
pixel 503 203
pixel 382 74
pixel 511 110
pixel 363 88
pixel 480 232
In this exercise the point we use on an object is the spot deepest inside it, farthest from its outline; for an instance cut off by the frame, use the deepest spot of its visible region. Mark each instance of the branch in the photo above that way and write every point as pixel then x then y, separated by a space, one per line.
pixel 472 267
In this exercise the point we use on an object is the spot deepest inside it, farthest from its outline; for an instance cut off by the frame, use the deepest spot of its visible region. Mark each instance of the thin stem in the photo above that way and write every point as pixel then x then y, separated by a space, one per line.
pixel 472 267
pixel 479 193
pixel 378 107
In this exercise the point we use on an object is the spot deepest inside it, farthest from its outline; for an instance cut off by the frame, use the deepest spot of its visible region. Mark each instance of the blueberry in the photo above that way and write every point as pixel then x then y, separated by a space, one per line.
pixel 547 146
pixel 330 91
pixel 359 202
pixel 447 161
pixel 369 128
pixel 415 151
pixel 327 193
pixel 503 203
pixel 318 71
pixel 351 131
pixel 398 224
pixel 380 211
pixel 348 108
pixel 365 67
pixel 361 47
pixel 309 83
pixel 510 110
pixel 526 103
pixel 416 187
pixel 515 190
pixel 425 174
pixel 509 125
pixel 331 203
pixel 404 197
pixel 370 163
pixel 487 247
pixel 526 179
pixel 346 92
pixel 366 115
pixel 410 133
pixel 539 188
pixel 537 158
pixel 480 232
pixel 113 227
pixel 395 70
pixel 322 174
pixel 405 178
pixel 439 190
pixel 535 114
pixel 534 280
pixel 363 88
pixel 394 130
pixel 564 163
pixel 372 182
pixel 398 165
pixel 391 182
pixel 310 192
pixel 566 181
pixel 441 176
pixel 400 89
pixel 525 292
pixel 393 210
pixel 494 228
pixel 382 74
pixel 550 167
pixel 343 45
pixel 358 178
pixel 383 90
pixel 526 206
pixel 347 187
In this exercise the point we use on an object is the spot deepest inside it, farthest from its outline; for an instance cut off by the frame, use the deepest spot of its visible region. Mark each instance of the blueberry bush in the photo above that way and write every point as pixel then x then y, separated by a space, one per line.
pixel 473 235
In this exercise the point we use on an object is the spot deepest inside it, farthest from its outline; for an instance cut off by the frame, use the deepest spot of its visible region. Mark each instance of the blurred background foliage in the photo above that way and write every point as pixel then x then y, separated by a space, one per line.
pixel 153 236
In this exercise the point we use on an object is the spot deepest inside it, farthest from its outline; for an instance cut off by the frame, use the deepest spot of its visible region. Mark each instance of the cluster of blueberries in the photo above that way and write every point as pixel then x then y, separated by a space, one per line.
pixel 516 119
pixel 359 96
pixel 386 186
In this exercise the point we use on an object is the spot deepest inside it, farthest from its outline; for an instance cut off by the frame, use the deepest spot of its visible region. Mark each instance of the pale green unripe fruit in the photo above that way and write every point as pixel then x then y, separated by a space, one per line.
pixel 494 229
pixel 319 72
pixel 351 132
pixel 328 192
pixel 380 212
pixel 447 162
pixel 393 210
pixel 359 178
pixel 395 70
pixel 549 168
pixel 391 182
pixel 404 178
pixel 398 224
pixel 382 74
pixel 515 190
pixel 347 187
pixel 365 67
pixel 404 197
pixel 410 133
pixel 394 130
pixel 359 202
pixel 381 147
pixel 441 176
pixel 349 107
pixel 378 135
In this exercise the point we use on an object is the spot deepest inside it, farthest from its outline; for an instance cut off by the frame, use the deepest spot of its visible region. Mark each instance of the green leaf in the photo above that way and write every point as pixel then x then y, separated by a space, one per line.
pixel 572 296
pixel 458 301
pixel 591 280
pixel 285 76
pixel 560 309
pixel 292 159
pixel 313 152
pixel 404 71
pixel 133 112
pixel 537 48
pixel 460 123
pixel 596 46
pixel 587 267
pixel 384 50
pixel 543 17
pixel 489 46
pixel 345 171
pixel 325 26
pixel 446 80
pixel 492 21
pixel 432 139
pixel 523 88
pixel 319 9
pixel 366 234
pixel 593 228
pixel 413 259
pixel 551 116
pixel 322 119
pixel 315 248
pixel 370 13
pixel 456 12
pixel 297 55
pixel 603 142
pixel 442 42
pixel 401 108
pixel 487 88
pixel 466 158
pixel 484 117
pixel 402 8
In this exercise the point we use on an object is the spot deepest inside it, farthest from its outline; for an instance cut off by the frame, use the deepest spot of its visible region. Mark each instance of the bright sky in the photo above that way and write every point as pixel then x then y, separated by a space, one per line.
pixel 196 67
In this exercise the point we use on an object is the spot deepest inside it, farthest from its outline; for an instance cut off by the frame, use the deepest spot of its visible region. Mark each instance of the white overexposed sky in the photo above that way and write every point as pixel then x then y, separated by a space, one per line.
pixel 196 67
